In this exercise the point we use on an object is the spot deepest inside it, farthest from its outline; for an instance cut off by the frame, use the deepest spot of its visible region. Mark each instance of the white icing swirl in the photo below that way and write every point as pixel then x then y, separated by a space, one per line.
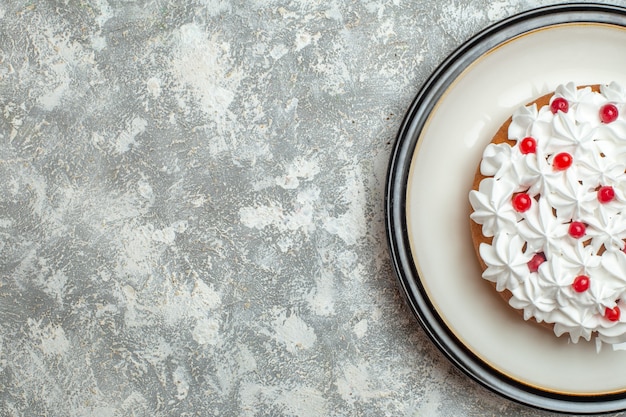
pixel 492 206
pixel 558 198
pixel 507 264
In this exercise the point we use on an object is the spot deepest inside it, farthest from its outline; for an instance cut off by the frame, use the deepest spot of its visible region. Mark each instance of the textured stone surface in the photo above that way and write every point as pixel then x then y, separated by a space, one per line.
pixel 191 208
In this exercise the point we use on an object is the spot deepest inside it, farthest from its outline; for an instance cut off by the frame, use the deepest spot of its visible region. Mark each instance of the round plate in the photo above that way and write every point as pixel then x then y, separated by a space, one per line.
pixel 439 146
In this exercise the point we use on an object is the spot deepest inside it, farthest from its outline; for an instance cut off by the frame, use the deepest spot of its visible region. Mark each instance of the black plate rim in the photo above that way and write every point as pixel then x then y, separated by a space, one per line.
pixel 395 204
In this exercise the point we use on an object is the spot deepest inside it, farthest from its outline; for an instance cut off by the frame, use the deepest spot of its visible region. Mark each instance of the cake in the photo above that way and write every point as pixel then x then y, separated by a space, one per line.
pixel 548 212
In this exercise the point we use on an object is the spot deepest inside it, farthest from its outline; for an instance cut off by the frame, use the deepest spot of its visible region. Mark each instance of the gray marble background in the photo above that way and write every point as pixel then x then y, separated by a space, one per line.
pixel 191 208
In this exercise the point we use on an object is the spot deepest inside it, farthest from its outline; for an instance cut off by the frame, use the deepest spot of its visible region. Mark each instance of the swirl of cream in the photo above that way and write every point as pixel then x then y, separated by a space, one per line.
pixel 605 230
pixel 528 121
pixel 539 174
pixel 529 298
pixel 571 93
pixel 599 296
pixel 613 335
pixel 542 229
pixel 496 159
pixel 572 200
pixel 614 265
pixel 507 264
pixel 503 161
pixel 577 323
pixel 610 137
pixel 586 110
pixel 580 258
pixel 613 332
pixel 492 206
pixel 556 284
pixel 596 170
pixel 614 92
pixel 575 138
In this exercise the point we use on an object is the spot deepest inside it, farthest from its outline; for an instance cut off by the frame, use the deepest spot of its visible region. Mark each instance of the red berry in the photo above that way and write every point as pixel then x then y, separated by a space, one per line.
pixel 537 259
pixel 562 161
pixel 521 202
pixel 577 229
pixel 606 194
pixel 612 314
pixel 559 104
pixel 528 145
pixel 581 283
pixel 608 113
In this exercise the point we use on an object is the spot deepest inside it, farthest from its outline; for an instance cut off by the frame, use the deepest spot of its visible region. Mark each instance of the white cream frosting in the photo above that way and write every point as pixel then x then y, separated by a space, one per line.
pixel 560 197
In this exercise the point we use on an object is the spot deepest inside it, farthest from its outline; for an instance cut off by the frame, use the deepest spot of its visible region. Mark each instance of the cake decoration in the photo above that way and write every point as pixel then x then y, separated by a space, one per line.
pixel 549 212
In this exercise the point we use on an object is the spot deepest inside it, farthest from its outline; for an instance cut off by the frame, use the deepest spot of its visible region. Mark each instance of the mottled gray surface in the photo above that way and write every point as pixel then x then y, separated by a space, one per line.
pixel 191 208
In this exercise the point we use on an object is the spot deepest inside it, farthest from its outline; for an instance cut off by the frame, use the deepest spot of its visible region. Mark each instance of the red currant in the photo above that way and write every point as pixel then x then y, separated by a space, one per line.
pixel 559 104
pixel 577 229
pixel 581 283
pixel 606 194
pixel 521 202
pixel 608 113
pixel 612 314
pixel 528 145
pixel 537 259
pixel 562 161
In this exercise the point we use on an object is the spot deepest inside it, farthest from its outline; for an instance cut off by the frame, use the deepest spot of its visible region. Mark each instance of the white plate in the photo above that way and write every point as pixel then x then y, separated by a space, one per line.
pixel 439 147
